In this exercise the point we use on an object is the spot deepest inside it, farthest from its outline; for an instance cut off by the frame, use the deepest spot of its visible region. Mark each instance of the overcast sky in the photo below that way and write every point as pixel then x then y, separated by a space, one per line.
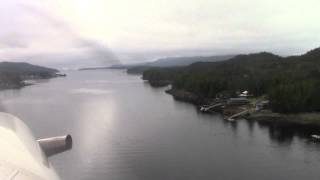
pixel 105 31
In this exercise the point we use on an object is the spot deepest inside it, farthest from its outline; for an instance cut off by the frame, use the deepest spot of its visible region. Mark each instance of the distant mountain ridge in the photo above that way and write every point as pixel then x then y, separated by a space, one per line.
pixel 176 62
pixel 185 61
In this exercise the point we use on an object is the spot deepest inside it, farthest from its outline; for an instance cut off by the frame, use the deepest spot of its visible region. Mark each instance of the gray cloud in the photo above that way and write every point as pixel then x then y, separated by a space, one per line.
pixel 94 49
pixel 39 36
pixel 76 31
pixel 12 40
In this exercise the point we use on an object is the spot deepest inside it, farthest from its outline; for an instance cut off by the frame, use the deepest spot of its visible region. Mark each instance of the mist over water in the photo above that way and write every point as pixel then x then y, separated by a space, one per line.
pixel 124 129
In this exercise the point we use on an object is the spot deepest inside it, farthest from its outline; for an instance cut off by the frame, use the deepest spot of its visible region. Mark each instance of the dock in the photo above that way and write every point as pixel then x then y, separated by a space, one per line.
pixel 315 137
pixel 242 113
pixel 207 108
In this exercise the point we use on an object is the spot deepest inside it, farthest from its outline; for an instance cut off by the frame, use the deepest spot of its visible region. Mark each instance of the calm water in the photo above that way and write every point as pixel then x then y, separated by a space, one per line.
pixel 125 130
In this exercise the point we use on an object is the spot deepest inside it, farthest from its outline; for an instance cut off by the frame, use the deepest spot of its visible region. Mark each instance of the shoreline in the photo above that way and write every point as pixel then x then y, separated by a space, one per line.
pixel 264 116
pixel 307 118
pixel 26 82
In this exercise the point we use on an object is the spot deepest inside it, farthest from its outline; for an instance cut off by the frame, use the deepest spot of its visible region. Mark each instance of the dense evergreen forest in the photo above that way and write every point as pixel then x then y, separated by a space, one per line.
pixel 291 83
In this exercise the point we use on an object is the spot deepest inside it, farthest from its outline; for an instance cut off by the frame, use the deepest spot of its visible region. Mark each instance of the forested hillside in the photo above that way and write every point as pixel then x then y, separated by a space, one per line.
pixel 13 74
pixel 290 83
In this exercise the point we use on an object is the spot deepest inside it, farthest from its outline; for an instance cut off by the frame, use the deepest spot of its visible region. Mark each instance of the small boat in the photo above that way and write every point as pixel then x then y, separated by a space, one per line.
pixel 315 137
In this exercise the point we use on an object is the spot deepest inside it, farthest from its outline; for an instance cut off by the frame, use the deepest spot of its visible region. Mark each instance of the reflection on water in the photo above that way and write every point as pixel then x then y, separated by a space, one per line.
pixel 124 129
pixel 284 133
pixel 2 107
pixel 90 91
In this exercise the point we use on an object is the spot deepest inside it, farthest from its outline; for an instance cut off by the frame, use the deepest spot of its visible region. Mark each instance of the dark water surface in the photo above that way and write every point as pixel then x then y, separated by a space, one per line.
pixel 125 130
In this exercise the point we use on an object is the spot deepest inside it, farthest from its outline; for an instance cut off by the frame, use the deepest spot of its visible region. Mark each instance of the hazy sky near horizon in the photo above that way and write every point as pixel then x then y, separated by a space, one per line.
pixel 105 31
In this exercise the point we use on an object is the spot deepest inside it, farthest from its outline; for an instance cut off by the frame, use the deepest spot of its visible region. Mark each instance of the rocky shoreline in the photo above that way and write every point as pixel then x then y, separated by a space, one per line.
pixel 182 95
pixel 310 118
pixel 159 83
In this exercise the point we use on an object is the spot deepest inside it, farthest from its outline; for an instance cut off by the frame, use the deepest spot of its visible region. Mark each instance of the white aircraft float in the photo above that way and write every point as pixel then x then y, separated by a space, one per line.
pixel 24 158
